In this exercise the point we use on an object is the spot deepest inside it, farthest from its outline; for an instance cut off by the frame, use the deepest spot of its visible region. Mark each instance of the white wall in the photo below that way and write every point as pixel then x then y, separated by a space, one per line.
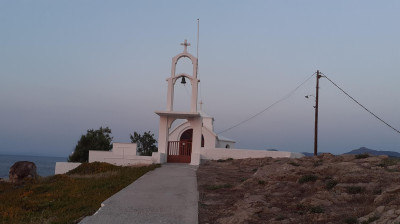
pixel 119 151
pixel 222 144
pixel 209 138
pixel 63 167
pixel 221 153
pixel 122 154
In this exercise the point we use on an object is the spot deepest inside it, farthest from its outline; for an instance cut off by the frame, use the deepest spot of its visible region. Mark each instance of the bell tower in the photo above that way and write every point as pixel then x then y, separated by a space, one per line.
pixel 174 77
pixel 169 116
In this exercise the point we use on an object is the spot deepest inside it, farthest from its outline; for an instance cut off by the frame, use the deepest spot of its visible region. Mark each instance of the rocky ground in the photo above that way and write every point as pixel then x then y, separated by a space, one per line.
pixel 323 189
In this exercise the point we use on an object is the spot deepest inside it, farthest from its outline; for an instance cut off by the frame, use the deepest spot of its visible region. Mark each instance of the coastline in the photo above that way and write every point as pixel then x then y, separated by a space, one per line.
pixel 45 165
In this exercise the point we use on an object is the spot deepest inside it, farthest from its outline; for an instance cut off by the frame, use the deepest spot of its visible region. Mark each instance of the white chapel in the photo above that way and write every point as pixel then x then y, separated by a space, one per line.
pixel 190 142
pixel 197 131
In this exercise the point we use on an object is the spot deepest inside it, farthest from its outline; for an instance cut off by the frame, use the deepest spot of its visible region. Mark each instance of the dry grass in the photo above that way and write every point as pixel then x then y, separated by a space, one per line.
pixel 96 175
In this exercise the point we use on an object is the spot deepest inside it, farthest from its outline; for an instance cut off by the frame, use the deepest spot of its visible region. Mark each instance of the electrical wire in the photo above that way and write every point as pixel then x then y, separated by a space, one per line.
pixel 380 119
pixel 265 109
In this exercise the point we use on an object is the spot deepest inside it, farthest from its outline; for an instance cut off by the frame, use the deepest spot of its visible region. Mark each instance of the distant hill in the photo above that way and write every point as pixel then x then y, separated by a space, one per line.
pixel 373 152
pixel 361 151
pixel 311 153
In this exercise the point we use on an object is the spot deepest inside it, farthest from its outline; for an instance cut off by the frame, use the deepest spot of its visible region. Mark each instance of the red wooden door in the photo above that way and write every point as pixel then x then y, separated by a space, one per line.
pixel 179 151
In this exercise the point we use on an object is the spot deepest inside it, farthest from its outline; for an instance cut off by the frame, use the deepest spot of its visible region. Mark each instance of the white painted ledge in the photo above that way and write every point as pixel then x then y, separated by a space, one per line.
pixel 222 153
pixel 64 167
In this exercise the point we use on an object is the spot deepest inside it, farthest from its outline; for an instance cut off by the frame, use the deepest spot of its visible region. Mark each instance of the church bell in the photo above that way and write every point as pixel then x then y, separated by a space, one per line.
pixel 183 80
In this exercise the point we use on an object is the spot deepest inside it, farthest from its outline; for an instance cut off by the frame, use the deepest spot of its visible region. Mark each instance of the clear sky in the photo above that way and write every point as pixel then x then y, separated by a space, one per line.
pixel 69 66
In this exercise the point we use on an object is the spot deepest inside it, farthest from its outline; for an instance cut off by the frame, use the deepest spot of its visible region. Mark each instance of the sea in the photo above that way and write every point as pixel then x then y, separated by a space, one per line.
pixel 45 166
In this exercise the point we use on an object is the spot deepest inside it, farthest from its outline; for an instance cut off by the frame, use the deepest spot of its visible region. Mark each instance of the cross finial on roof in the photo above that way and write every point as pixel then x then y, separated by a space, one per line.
pixel 201 105
pixel 185 44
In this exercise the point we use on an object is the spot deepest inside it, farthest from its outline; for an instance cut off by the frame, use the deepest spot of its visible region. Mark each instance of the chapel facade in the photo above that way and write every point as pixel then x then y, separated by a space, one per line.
pixel 184 142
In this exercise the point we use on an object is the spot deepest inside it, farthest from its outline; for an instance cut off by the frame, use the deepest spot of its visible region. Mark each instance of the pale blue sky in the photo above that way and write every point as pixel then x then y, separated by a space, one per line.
pixel 69 66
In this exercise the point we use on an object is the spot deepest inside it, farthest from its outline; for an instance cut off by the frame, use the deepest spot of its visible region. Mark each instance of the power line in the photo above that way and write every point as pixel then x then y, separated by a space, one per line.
pixel 390 126
pixel 262 111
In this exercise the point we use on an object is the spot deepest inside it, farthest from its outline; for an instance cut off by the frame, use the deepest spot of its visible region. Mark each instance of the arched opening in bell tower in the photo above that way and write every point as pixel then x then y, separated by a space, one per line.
pixel 184 65
pixel 183 91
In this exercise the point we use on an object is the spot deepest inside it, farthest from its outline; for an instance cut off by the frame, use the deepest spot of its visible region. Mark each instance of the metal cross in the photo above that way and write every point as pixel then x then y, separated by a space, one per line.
pixel 186 44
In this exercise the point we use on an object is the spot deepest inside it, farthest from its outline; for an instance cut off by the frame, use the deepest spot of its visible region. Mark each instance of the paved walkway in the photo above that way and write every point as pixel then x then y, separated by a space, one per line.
pixel 166 195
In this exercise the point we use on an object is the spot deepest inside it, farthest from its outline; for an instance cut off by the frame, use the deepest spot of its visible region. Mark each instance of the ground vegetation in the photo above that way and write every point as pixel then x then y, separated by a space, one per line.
pixel 65 198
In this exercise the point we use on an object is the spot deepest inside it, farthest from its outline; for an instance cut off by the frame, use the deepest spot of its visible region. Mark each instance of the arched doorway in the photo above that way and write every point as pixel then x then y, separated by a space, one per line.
pixel 181 151
pixel 187 136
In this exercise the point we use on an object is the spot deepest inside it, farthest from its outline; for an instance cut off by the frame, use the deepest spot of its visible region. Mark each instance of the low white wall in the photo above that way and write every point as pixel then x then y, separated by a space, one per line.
pixel 122 154
pixel 222 153
pixel 63 167
pixel 223 143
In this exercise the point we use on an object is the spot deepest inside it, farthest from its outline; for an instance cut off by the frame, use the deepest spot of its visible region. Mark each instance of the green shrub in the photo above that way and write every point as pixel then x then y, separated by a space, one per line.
pixel 317 163
pixel 224 160
pixel 145 144
pixel 389 162
pixel 350 220
pixel 216 187
pixel 330 184
pixel 355 189
pixel 303 209
pixel 294 164
pixel 308 178
pixel 377 191
pixel 316 209
pixel 362 156
pixel 371 219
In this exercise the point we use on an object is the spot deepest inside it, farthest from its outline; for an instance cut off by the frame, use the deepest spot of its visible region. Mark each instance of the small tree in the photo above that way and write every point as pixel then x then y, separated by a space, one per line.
pixel 145 144
pixel 93 140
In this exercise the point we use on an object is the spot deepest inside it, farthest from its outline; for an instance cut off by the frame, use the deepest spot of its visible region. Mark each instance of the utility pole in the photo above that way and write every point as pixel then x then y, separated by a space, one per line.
pixel 316 116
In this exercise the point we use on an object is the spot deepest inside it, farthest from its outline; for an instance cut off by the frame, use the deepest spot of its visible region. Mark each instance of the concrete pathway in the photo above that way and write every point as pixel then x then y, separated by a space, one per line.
pixel 166 195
